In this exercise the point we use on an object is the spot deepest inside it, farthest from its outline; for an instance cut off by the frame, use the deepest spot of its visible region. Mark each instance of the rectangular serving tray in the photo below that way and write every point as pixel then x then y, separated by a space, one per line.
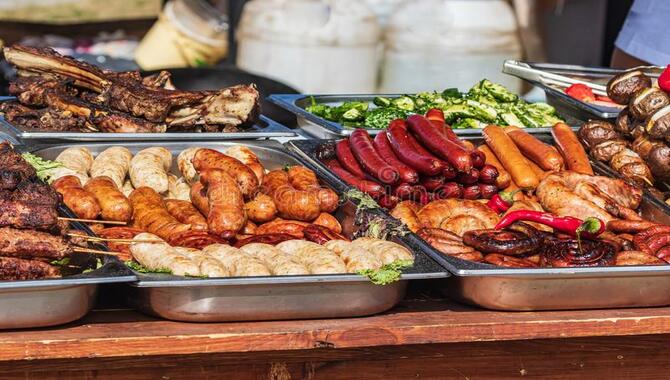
pixel 500 288
pixel 325 129
pixel 270 297
pixel 263 128
pixel 49 302
pixel 576 110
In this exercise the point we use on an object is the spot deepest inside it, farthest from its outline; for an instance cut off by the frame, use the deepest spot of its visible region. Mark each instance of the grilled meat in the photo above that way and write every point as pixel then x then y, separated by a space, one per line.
pixel 13 168
pixel 32 244
pixel 34 193
pixel 127 92
pixel 37 92
pixel 43 118
pixel 26 215
pixel 12 268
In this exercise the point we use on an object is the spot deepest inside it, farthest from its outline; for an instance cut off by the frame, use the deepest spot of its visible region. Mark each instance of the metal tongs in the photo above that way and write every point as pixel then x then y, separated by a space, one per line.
pixel 525 71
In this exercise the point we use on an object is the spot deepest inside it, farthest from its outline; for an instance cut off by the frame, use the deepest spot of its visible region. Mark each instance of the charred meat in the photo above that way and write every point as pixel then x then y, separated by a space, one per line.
pixel 152 98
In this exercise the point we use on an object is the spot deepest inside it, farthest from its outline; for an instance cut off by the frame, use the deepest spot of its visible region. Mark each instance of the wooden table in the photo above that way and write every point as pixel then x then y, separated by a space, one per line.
pixel 424 337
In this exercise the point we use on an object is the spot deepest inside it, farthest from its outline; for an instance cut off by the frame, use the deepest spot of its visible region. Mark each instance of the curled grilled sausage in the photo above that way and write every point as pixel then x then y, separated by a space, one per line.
pixel 113 204
pixel 226 213
pixel 291 203
pixel 79 200
pixel 185 212
pixel 211 159
pixel 195 239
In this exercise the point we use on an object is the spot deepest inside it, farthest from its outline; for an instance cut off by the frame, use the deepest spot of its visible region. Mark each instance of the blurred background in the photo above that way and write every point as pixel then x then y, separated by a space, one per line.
pixel 321 46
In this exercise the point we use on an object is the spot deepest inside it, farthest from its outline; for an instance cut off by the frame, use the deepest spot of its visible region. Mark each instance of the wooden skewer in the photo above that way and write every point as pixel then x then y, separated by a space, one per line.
pixel 93 221
pixel 96 251
pixel 118 240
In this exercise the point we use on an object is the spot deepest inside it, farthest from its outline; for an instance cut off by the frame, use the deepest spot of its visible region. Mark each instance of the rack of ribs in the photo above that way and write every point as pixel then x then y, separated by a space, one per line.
pixel 147 98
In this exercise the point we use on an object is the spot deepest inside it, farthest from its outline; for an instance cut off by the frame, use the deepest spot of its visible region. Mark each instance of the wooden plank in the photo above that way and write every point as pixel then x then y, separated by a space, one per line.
pixel 125 333
pixel 640 357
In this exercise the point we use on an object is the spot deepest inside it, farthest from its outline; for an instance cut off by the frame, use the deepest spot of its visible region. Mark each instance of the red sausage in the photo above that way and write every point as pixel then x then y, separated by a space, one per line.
pixel 388 201
pixel 639 240
pixel 383 147
pixel 436 118
pixel 432 183
pixel 372 188
pixel 448 171
pixel 372 163
pixel 346 158
pixel 403 148
pixel 436 142
pixel 403 191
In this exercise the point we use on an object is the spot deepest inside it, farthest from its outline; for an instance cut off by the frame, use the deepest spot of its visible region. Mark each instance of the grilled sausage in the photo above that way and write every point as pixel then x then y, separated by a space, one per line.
pixel 291 203
pixel 226 213
pixel 79 200
pixel 211 159
pixel 185 212
pixel 150 214
pixel 113 204
pixel 571 149
pixel 510 157
pixel 261 209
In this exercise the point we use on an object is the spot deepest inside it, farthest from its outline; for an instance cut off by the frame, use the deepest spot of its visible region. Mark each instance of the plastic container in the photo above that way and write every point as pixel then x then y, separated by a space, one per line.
pixel 435 44
pixel 317 46
pixel 188 33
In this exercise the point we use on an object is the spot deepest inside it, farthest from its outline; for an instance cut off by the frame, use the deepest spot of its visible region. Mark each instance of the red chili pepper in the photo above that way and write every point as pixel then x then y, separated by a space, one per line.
pixel 664 80
pixel 502 201
pixel 588 228
pixel 581 92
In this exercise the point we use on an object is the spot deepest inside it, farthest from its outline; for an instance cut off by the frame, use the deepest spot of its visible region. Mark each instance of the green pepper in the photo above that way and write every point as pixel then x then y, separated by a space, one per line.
pixel 404 103
pixel 381 101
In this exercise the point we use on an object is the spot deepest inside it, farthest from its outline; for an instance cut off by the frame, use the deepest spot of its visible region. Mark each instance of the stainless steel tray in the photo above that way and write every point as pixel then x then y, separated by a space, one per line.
pixel 263 298
pixel 499 288
pixel 325 129
pixel 575 110
pixel 49 302
pixel 263 128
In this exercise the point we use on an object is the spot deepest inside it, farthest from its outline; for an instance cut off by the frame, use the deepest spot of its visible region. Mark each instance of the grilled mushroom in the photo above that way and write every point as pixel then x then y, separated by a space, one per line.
pixel 658 124
pixel 659 162
pixel 643 146
pixel 624 122
pixel 594 132
pixel 607 149
pixel 647 101
pixel 621 88
pixel 630 165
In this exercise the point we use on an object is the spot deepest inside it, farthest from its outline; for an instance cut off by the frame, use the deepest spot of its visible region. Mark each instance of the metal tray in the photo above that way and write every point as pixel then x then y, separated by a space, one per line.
pixel 263 298
pixel 49 302
pixel 325 129
pixel 575 110
pixel 499 288
pixel 263 128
